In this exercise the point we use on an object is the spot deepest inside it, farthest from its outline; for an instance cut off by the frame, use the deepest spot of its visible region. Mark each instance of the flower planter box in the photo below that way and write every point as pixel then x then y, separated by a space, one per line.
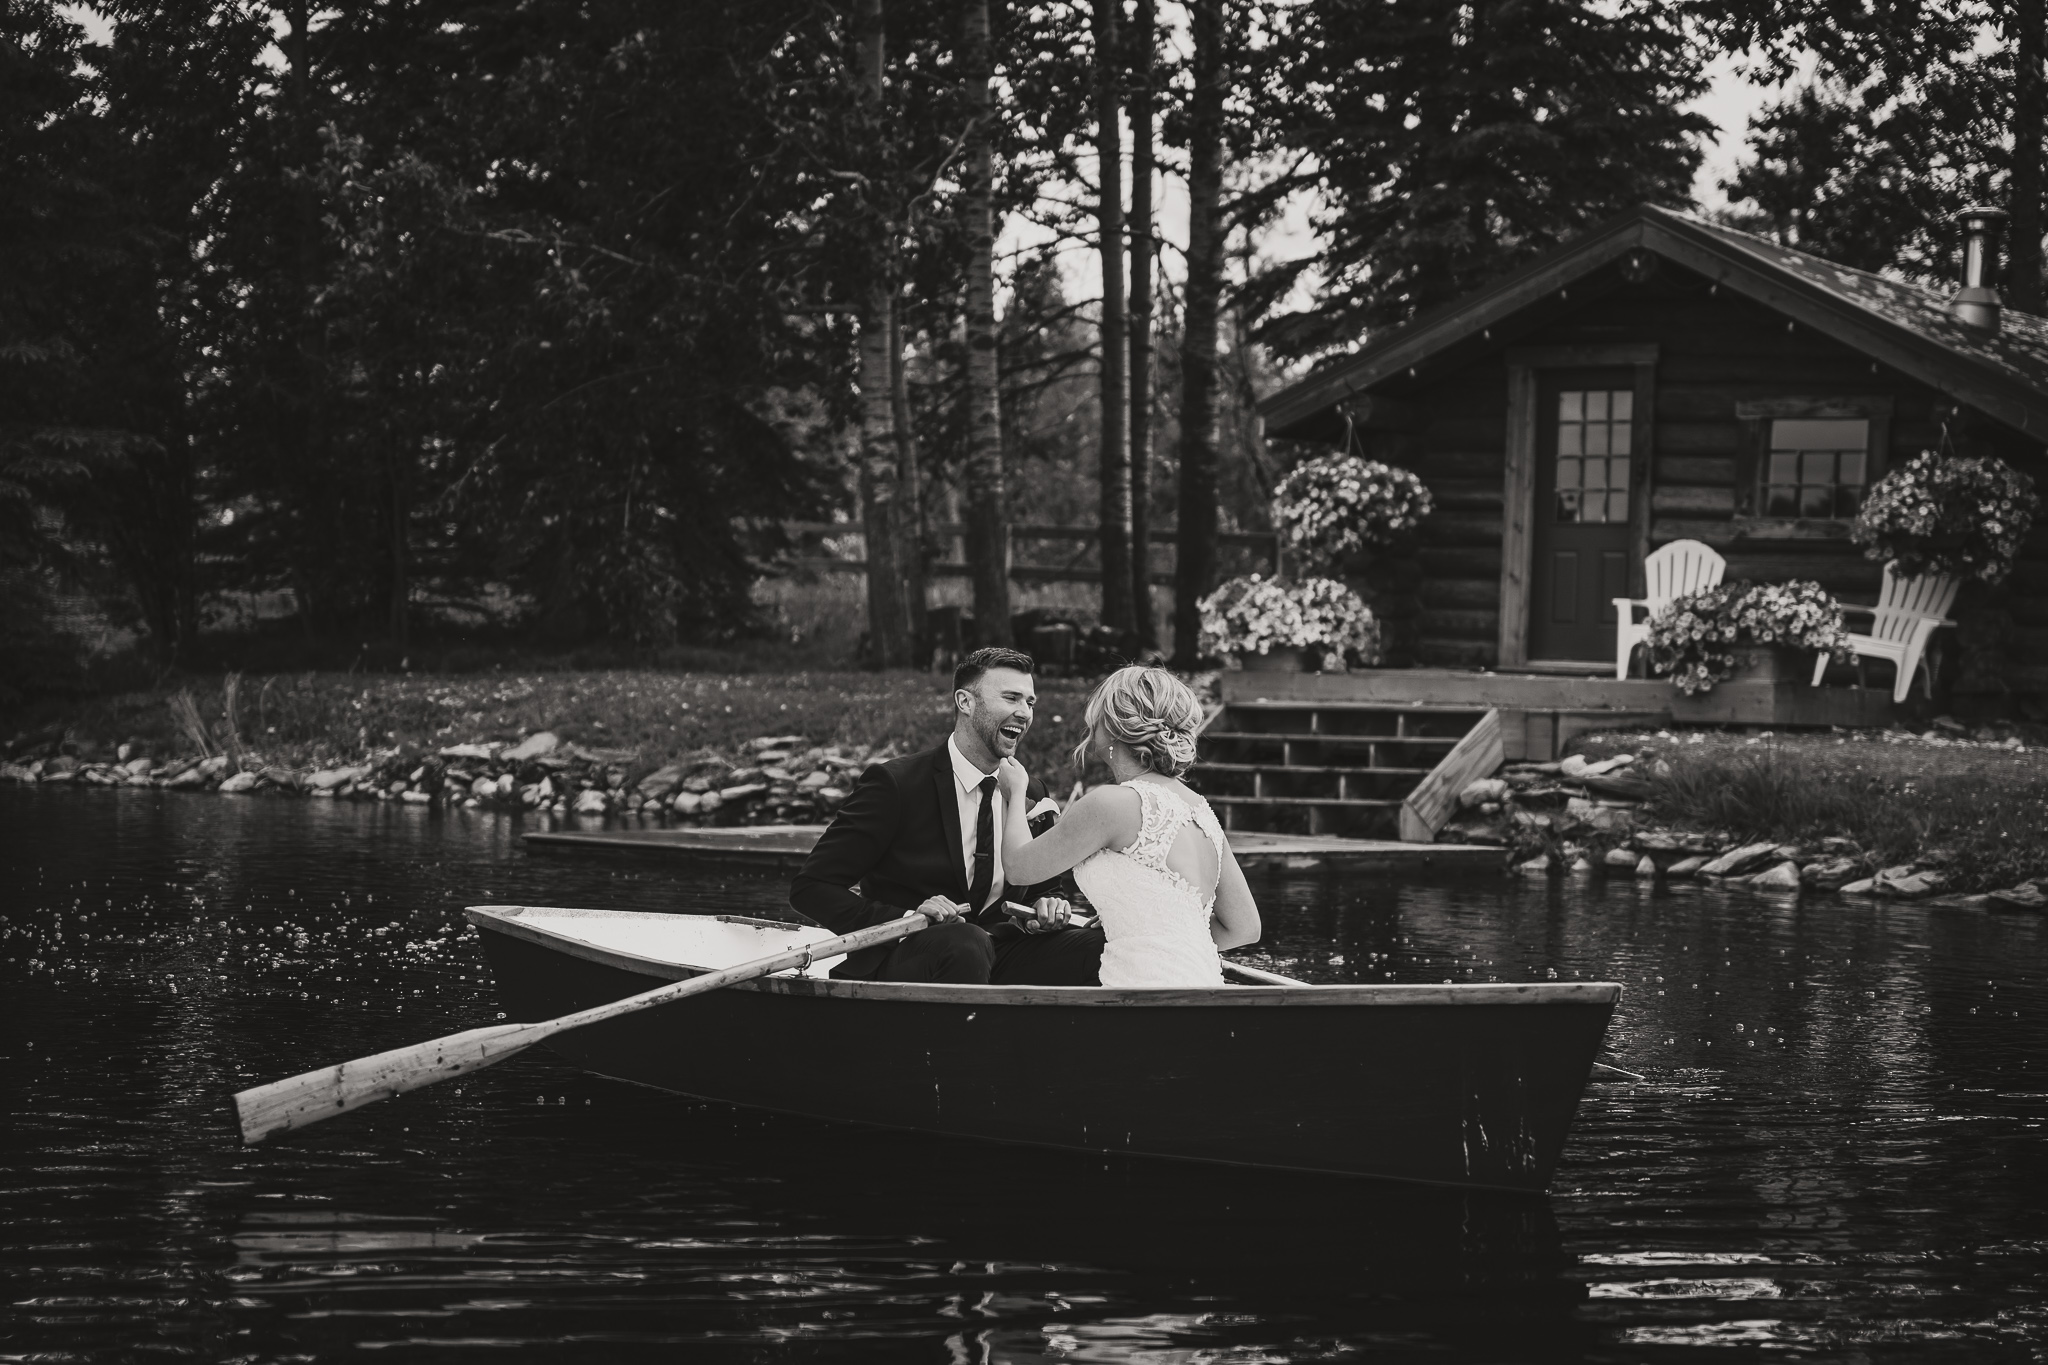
pixel 1277 660
pixel 1784 703
pixel 1772 664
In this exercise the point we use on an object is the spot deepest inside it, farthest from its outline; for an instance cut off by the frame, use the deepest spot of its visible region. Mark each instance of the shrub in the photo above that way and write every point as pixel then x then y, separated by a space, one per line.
pixel 1948 515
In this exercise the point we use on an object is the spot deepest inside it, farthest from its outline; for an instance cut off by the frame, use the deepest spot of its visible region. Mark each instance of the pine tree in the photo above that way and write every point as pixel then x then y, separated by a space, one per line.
pixel 1452 141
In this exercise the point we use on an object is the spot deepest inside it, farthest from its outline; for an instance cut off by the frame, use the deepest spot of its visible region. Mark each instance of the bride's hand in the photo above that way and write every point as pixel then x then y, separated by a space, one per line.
pixel 1011 779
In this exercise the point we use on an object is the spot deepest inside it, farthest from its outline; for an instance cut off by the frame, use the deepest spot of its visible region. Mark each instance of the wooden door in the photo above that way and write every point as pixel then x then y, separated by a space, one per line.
pixel 1581 542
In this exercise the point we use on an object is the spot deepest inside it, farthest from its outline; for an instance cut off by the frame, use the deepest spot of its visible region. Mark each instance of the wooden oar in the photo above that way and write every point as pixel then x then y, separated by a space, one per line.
pixel 1258 976
pixel 315 1095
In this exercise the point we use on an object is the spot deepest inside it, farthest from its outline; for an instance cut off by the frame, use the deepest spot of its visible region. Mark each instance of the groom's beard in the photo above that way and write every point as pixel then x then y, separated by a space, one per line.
pixel 989 730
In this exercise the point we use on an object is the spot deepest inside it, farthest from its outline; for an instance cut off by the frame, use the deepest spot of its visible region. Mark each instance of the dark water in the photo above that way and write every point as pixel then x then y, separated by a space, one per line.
pixel 1838 1153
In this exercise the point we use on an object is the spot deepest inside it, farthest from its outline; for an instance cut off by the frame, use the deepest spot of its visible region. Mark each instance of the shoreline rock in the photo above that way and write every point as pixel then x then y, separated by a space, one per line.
pixel 773 779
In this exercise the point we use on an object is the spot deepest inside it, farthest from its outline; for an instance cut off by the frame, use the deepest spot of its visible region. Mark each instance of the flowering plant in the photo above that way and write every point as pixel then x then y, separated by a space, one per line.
pixel 1334 506
pixel 1253 615
pixel 1694 638
pixel 1947 515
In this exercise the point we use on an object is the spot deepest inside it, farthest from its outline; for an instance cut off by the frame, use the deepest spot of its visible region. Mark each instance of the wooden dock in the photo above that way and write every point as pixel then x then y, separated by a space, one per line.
pixel 782 848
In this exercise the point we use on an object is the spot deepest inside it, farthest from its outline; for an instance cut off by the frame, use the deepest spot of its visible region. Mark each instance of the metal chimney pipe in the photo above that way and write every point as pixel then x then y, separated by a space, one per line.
pixel 1977 303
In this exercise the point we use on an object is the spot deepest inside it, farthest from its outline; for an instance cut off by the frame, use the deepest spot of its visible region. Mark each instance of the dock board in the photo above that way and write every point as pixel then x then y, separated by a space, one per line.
pixel 782 848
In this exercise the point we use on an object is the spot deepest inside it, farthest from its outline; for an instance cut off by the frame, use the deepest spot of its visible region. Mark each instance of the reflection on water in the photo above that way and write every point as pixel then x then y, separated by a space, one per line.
pixel 1838 1153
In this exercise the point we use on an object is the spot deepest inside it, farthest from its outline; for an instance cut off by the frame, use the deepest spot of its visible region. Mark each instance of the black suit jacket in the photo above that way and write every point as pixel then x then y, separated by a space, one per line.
pixel 897 839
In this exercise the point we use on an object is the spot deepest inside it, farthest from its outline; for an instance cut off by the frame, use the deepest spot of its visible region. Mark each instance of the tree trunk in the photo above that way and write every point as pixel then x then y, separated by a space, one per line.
pixel 1195 561
pixel 987 544
pixel 881 515
pixel 914 532
pixel 2026 288
pixel 1115 514
pixel 1143 38
pixel 401 558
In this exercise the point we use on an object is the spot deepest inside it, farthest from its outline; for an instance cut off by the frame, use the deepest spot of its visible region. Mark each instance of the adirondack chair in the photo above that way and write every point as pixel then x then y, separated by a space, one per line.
pixel 1681 567
pixel 1907 614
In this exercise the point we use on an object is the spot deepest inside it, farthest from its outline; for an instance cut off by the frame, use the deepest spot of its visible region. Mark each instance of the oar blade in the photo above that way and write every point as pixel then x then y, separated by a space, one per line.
pixel 314 1095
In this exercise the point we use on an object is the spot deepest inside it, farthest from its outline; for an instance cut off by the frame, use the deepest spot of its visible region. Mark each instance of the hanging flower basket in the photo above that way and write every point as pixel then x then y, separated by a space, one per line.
pixel 1330 509
pixel 1944 514
pixel 1753 630
pixel 1252 617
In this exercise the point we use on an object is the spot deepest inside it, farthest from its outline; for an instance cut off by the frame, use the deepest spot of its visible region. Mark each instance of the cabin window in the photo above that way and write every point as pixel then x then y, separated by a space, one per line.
pixel 1593 454
pixel 1817 467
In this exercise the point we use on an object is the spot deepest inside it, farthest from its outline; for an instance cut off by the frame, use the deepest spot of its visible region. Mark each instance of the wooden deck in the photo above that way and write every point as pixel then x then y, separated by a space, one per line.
pixel 1541 712
pixel 782 848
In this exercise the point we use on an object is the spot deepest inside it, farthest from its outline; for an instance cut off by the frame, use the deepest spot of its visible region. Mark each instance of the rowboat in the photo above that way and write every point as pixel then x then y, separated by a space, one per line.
pixel 1462 1085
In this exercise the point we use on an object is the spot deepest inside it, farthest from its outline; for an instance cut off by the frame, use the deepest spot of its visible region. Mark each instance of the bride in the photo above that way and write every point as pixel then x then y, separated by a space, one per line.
pixel 1147 851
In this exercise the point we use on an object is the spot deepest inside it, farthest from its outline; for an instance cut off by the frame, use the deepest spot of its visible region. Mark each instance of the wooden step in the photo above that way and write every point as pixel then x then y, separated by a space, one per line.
pixel 1333 802
pixel 1387 707
pixel 1328 737
pixel 1204 765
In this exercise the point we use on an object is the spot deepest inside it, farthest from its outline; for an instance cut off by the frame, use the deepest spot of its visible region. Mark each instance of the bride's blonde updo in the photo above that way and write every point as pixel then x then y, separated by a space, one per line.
pixel 1150 712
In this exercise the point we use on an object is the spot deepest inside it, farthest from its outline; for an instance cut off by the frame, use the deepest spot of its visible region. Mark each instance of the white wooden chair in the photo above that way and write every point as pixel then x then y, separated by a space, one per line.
pixel 1907 614
pixel 1681 567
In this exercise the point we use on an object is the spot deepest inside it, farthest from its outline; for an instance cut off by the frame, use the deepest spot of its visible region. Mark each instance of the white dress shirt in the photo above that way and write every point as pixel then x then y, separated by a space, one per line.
pixel 967 780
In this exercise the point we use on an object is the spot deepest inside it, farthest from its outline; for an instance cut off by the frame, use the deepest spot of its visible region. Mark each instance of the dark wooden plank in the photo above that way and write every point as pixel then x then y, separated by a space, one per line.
pixel 1708 531
pixel 1463 462
pixel 1518 491
pixel 1459 562
pixel 1694 469
pixel 1430 806
pixel 1694 500
pixel 1697 438
pixel 1838 572
pixel 1466 495
pixel 1451 687
pixel 1460 592
pixel 1462 624
pixel 1470 653
pixel 1643 464
pixel 1451 431
pixel 1461 528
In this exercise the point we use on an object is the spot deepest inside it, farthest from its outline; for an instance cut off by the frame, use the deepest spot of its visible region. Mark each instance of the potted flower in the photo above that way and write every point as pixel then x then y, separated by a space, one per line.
pixel 1943 514
pixel 1272 625
pixel 1749 632
pixel 1328 510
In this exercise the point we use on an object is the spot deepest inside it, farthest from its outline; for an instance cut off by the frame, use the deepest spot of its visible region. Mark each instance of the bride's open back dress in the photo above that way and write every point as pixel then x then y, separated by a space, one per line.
pixel 1155 920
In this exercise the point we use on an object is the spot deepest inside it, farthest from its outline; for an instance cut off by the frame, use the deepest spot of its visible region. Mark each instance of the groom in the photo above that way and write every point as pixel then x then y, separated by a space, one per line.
pixel 923 834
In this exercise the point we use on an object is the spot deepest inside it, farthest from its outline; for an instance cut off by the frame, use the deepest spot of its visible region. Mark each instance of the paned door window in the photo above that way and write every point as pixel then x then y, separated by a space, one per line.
pixel 1593 454
pixel 1817 467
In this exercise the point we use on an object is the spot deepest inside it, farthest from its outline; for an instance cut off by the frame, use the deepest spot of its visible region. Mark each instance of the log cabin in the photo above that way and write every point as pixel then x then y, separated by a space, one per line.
pixel 1659 378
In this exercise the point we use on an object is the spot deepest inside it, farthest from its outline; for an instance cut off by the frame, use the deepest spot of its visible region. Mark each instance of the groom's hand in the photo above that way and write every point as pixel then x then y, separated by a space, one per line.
pixel 1047 912
pixel 938 909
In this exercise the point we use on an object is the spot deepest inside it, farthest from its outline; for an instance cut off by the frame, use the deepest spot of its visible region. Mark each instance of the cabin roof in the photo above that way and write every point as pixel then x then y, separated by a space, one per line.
pixel 1905 326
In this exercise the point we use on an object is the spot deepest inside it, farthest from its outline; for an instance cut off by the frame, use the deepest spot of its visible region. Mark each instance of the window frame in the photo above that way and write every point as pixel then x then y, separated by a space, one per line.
pixel 1753 467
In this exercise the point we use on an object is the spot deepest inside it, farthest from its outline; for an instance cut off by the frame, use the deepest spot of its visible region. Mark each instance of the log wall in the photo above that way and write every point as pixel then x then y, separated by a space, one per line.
pixel 1716 351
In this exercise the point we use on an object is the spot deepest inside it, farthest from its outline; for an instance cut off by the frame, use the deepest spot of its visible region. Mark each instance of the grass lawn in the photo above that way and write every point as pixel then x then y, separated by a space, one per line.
pixel 319 719
pixel 1898 796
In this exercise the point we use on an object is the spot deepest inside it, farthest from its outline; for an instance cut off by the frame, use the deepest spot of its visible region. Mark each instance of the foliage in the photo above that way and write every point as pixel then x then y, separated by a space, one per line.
pixel 310 719
pixel 1861 178
pixel 1448 143
pixel 1693 638
pixel 1254 615
pixel 1896 797
pixel 1332 507
pixel 1946 514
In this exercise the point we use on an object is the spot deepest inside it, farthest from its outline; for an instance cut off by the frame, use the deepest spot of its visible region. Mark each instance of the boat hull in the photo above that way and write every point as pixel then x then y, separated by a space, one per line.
pixel 1476 1095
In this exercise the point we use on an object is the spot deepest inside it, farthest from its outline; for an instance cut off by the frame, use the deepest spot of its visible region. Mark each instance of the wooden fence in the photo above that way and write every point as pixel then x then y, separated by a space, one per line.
pixel 1258 551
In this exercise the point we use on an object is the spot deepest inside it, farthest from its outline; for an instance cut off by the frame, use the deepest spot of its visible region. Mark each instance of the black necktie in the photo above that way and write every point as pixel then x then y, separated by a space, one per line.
pixel 984 847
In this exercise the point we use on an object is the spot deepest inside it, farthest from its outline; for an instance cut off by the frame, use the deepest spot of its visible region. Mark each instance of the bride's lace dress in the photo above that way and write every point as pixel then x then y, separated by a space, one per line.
pixel 1155 920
